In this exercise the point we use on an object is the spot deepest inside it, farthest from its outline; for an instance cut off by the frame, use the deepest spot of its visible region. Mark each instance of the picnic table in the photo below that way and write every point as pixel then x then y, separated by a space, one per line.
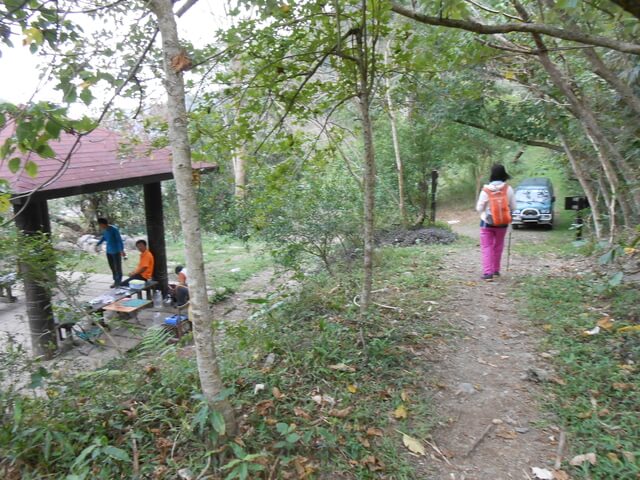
pixel 130 306
pixel 99 303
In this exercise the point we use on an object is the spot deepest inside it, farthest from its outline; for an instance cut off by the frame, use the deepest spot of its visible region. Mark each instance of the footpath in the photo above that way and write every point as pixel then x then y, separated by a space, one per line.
pixel 491 424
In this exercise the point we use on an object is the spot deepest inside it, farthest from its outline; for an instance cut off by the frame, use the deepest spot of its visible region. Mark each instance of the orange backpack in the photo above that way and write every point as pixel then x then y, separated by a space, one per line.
pixel 500 215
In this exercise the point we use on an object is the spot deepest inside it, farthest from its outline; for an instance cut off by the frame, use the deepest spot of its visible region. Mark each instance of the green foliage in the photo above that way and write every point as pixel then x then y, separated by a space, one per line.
pixel 596 398
pixel 147 406
pixel 312 218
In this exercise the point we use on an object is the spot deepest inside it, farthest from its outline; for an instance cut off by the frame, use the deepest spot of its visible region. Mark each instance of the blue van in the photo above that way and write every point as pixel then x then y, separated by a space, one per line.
pixel 534 203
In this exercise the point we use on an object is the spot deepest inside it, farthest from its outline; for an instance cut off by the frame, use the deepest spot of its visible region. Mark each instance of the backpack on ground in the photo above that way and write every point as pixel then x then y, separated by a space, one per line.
pixel 500 215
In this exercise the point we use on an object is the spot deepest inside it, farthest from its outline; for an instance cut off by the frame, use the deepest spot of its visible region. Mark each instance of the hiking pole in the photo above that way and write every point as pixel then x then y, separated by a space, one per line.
pixel 509 247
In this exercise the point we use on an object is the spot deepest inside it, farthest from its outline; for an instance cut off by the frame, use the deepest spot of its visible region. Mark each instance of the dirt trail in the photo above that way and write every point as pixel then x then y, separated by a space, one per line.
pixel 483 395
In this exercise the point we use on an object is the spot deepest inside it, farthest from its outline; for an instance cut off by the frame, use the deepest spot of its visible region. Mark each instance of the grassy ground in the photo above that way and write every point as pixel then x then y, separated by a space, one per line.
pixel 597 394
pixel 228 262
pixel 311 401
pixel 559 240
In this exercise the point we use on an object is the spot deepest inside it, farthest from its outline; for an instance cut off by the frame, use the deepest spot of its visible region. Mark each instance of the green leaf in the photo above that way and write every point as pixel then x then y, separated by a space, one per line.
pixel 70 94
pixel 217 421
pixel 223 395
pixel 53 128
pixel 5 202
pixel 45 151
pixel 258 301
pixel 84 124
pixel 84 454
pixel 615 280
pixel 25 131
pixel 86 96
pixel 38 376
pixel 293 438
pixel 606 258
pixel 116 453
pixel 282 428
pixel 31 168
pixel 14 164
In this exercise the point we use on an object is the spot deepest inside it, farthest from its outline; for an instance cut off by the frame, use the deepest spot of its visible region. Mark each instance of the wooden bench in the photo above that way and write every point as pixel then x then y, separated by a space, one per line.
pixel 148 287
pixel 6 282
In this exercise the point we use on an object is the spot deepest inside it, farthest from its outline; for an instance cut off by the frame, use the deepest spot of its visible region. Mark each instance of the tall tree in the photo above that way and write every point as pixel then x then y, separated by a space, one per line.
pixel 175 62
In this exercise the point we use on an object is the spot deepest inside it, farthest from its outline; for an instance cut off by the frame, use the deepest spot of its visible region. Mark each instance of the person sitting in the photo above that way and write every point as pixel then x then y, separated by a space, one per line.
pixel 180 292
pixel 144 270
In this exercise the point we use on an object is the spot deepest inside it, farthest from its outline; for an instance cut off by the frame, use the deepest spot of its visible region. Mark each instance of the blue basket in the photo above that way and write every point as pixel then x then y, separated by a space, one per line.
pixel 174 320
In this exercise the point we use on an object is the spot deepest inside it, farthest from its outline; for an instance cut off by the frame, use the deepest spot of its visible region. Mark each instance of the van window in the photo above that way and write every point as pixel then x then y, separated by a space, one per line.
pixel 532 195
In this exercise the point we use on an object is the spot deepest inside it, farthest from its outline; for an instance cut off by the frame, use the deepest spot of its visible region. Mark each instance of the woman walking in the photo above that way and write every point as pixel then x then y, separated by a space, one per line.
pixel 495 204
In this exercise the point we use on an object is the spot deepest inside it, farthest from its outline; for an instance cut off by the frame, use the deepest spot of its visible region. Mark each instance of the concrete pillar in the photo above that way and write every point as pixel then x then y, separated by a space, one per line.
pixel 39 277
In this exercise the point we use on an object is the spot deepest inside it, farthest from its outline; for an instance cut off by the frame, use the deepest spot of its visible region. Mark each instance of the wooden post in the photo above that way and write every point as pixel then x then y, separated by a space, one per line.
pixel 155 233
pixel 32 220
pixel 434 186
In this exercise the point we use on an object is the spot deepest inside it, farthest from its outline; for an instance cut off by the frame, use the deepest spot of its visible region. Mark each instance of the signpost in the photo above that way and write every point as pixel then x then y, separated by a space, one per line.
pixel 577 204
pixel 434 186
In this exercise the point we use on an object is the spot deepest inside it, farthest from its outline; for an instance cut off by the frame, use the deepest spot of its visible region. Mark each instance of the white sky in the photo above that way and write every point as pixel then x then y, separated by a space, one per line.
pixel 19 74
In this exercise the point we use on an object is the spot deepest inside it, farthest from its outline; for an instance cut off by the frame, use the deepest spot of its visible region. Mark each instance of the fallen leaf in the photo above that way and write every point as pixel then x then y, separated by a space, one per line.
pixel 413 444
pixel 299 412
pixel 372 463
pixel 629 456
pixel 622 386
pixel 400 412
pixel 322 399
pixel 507 434
pixel 594 331
pixel 630 328
pixel 484 362
pixel 547 327
pixel 340 413
pixel 374 432
pixel 560 475
pixel 364 442
pixel 263 407
pixel 613 457
pixel 404 396
pixel 580 459
pixel 606 323
pixel 352 388
pixel 341 367
pixel 277 393
pixel 542 473
pixel 270 421
pixel 304 468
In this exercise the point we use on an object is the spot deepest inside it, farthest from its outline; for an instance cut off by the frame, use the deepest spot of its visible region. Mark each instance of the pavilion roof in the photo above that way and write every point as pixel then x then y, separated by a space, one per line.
pixel 102 160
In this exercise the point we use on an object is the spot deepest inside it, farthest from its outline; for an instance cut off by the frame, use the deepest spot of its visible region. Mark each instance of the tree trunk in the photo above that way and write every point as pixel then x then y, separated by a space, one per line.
pixel 396 145
pixel 174 59
pixel 625 91
pixel 585 183
pixel 369 177
pixel 631 6
pixel 593 131
pixel 423 200
pixel 240 174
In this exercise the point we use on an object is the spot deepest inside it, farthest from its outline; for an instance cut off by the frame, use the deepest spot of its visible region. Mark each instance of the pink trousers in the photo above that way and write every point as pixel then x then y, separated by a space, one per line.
pixel 491 246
